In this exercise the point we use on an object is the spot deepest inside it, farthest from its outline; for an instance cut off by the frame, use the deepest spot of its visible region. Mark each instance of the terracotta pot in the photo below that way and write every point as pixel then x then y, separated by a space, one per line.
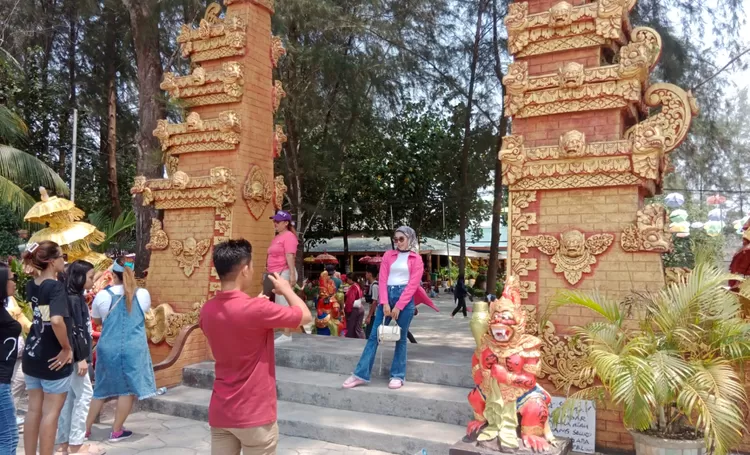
pixel 650 445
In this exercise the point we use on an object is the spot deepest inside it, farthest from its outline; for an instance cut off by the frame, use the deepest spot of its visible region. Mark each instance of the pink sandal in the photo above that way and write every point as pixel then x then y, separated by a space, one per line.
pixel 353 382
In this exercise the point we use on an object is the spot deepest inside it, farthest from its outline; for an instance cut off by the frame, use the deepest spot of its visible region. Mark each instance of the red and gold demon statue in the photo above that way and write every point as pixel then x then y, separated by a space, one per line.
pixel 504 368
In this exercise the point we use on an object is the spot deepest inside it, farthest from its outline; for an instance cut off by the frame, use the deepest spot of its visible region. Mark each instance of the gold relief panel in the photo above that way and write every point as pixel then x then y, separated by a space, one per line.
pixel 577 181
pixel 277 94
pixel 182 191
pixel 520 221
pixel 279 139
pixel 214 38
pixel 189 253
pixel 650 231
pixel 257 191
pixel 202 88
pixel 565 26
pixel 159 239
pixel 156 322
pixel 513 156
pixel 199 135
pixel 574 253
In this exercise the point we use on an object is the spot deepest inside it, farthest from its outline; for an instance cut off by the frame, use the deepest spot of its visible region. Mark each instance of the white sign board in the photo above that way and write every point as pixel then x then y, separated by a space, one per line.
pixel 580 426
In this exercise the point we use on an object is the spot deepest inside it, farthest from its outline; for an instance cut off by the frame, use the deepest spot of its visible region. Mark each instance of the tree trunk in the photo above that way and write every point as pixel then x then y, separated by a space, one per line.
pixel 114 192
pixel 464 206
pixel 345 230
pixel 497 204
pixel 144 19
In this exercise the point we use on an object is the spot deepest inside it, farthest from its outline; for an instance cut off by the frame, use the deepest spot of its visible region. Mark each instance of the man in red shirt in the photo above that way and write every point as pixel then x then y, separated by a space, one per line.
pixel 239 329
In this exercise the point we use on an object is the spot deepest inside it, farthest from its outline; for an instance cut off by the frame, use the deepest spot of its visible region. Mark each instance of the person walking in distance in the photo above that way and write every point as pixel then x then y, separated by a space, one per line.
pixel 371 297
pixel 459 294
pixel 10 329
pixel 48 355
pixel 281 259
pixel 239 330
pixel 354 308
pixel 71 428
pixel 123 361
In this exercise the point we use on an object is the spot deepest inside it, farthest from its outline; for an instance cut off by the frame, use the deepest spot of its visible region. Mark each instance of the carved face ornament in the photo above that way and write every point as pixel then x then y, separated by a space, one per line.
pixel 574 254
pixel 648 139
pixel 572 244
pixel 516 18
pixel 560 15
pixel 573 143
pixel 571 75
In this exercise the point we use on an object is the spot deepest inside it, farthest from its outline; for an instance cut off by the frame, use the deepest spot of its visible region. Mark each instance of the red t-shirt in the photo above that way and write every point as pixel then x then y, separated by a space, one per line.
pixel 239 330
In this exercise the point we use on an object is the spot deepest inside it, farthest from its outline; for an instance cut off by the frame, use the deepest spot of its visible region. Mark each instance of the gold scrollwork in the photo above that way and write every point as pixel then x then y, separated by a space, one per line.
pixel 156 322
pixel 574 253
pixel 159 238
pixel 650 231
pixel 181 191
pixel 197 135
pixel 513 157
pixel 277 50
pixel 279 191
pixel 176 321
pixel 277 94
pixel 578 181
pixel 673 120
pixel 257 191
pixel 189 253
pixel 279 139
pixel 520 221
pixel 202 87
pixel 214 38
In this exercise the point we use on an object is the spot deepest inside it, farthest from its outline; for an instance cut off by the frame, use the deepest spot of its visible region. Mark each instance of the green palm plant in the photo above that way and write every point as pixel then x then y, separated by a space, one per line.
pixel 19 170
pixel 675 372
pixel 119 233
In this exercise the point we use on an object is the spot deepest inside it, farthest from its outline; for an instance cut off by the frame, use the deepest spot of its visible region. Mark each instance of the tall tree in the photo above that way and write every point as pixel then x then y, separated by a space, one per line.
pixel 111 138
pixel 144 20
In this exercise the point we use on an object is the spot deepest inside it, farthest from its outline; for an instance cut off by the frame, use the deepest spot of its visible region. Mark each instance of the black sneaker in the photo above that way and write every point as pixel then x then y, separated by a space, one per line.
pixel 120 435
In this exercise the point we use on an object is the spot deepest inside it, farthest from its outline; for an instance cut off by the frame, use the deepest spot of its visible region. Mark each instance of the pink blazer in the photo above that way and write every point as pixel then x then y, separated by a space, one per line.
pixel 413 288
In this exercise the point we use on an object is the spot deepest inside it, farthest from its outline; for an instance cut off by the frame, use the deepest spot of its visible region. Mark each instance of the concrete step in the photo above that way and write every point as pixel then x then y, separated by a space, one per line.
pixel 377 432
pixel 432 402
pixel 443 365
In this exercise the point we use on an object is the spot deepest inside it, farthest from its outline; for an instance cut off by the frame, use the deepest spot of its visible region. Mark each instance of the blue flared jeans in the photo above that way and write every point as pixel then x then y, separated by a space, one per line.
pixel 8 427
pixel 398 366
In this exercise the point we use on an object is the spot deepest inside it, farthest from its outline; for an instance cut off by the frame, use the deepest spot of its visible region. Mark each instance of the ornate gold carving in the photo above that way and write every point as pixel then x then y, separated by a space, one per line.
pixel 257 191
pixel 180 191
pixel 277 50
pixel 214 38
pixel 279 139
pixel 159 238
pixel 277 95
pixel 640 56
pixel 676 275
pixel 571 75
pixel 189 253
pixel 170 164
pixel 513 157
pixel 156 322
pixel 648 150
pixel 279 191
pixel 267 4
pixel 520 222
pixel 577 181
pixel 166 324
pixel 197 135
pixel 565 26
pixel 206 87
pixel 573 144
pixel 224 226
pixel 673 121
pixel 594 96
pixel 574 254
pixel 650 232
pixel 563 358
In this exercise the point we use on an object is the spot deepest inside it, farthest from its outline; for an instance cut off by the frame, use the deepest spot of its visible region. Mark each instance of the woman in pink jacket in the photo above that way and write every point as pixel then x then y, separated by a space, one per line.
pixel 400 278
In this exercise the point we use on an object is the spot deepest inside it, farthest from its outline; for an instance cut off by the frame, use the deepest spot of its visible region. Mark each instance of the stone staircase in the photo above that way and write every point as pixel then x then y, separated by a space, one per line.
pixel 429 412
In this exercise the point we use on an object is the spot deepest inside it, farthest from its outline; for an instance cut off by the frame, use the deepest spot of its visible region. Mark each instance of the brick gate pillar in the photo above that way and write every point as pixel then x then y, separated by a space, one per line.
pixel 219 162
pixel 584 153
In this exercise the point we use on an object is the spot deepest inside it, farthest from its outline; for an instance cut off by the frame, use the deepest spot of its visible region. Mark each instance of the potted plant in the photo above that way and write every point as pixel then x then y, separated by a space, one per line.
pixel 670 360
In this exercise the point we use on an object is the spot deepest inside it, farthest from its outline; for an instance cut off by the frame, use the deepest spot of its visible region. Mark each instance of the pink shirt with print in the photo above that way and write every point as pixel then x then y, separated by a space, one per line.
pixel 283 244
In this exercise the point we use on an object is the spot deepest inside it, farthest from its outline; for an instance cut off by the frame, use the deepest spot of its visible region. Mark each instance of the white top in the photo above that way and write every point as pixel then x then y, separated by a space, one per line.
pixel 399 274
pixel 374 291
pixel 102 301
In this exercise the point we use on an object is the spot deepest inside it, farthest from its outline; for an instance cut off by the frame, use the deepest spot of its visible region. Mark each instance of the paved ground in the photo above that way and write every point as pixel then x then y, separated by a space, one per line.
pixel 157 434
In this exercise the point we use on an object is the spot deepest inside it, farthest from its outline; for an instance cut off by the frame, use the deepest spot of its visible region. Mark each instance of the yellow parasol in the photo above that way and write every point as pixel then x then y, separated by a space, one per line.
pixel 100 261
pixel 72 237
pixel 53 210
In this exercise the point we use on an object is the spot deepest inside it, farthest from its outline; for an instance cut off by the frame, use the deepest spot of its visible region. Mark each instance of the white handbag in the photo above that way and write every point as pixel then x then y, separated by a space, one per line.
pixel 357 303
pixel 390 333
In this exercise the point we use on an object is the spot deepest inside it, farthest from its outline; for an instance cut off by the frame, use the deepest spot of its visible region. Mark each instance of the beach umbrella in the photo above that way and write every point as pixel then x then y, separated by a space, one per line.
pixel 674 200
pixel 678 216
pixel 716 199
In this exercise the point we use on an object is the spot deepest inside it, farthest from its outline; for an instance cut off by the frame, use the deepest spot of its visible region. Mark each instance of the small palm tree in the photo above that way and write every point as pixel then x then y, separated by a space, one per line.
pixel 677 370
pixel 19 169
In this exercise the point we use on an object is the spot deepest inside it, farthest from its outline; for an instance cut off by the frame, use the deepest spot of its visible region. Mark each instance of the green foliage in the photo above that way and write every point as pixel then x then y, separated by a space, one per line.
pixel 9 242
pixel 16 265
pixel 679 368
pixel 119 233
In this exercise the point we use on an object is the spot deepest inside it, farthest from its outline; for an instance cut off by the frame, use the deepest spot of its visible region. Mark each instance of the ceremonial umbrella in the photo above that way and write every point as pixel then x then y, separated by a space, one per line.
pixel 73 238
pixel 365 259
pixel 310 260
pixel 326 258
pixel 53 210
pixel 716 199
pixel 375 260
